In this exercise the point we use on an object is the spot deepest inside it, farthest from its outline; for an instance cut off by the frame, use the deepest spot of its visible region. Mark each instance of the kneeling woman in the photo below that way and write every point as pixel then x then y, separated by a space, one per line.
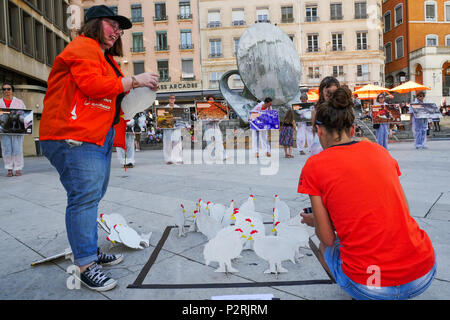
pixel 372 246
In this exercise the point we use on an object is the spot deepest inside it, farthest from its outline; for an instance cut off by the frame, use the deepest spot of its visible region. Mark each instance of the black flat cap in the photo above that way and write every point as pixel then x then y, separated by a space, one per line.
pixel 103 11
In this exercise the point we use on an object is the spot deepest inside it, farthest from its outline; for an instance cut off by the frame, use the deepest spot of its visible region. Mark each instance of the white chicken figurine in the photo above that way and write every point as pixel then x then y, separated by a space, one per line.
pixel 284 212
pixel 223 249
pixel 110 220
pixel 217 211
pixel 180 220
pixel 228 215
pixel 131 238
pixel 275 250
pixel 208 225
pixel 249 205
pixel 250 228
pixel 297 234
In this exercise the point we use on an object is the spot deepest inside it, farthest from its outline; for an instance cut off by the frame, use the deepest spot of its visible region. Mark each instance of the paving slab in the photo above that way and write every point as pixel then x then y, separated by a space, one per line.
pixel 33 207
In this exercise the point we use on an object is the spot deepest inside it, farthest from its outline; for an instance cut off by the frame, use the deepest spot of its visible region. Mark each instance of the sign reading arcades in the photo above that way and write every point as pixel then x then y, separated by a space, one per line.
pixel 171 86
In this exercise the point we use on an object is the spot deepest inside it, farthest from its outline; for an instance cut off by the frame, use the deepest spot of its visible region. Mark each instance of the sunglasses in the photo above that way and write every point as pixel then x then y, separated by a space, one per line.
pixel 115 27
pixel 7 89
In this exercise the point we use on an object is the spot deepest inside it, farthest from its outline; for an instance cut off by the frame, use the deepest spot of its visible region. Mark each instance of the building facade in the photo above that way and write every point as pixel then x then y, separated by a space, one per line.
pixel 32 34
pixel 342 39
pixel 164 39
pixel 417 44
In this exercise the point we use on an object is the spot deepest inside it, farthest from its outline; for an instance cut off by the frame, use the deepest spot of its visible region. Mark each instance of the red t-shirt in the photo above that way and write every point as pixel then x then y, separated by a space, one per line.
pixel 7 102
pixel 361 191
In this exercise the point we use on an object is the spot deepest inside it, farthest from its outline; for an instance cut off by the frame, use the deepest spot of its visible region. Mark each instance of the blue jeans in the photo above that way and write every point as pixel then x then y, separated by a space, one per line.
pixel 84 172
pixel 358 291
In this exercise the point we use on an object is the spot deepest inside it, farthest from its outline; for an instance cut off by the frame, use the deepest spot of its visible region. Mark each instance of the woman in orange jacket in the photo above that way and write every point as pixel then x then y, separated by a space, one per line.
pixel 81 107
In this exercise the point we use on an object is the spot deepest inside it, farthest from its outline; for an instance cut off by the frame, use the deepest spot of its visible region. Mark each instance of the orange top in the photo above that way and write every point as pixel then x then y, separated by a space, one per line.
pixel 80 102
pixel 360 189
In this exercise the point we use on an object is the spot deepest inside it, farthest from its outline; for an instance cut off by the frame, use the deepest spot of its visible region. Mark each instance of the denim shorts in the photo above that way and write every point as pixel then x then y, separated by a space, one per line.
pixel 358 291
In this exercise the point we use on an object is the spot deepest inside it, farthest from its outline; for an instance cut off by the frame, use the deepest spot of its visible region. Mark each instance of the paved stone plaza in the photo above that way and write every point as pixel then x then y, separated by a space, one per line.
pixel 32 225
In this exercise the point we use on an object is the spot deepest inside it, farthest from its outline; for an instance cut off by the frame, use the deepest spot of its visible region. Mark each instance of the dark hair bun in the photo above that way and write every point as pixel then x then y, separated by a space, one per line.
pixel 341 99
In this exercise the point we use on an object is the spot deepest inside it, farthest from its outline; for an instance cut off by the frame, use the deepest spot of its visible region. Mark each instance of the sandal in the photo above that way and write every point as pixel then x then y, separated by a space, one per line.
pixel 18 173
pixel 10 173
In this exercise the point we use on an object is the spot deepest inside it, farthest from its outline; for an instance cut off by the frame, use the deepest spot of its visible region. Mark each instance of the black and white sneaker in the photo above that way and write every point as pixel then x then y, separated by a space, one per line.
pixel 106 259
pixel 95 279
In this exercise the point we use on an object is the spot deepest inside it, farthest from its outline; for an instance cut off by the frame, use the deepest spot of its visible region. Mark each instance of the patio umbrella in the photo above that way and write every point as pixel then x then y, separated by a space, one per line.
pixel 409 86
pixel 369 89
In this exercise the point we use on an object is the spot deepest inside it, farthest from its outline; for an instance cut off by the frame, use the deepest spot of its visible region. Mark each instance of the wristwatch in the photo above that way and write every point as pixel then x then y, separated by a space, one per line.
pixel 134 83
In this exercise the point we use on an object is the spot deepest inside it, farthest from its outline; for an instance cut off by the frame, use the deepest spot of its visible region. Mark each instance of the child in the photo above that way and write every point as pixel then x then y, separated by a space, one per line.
pixel 371 245
pixel 287 133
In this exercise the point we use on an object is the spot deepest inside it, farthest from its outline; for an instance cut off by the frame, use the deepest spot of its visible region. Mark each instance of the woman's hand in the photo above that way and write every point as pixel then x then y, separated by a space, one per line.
pixel 148 79
pixel 308 219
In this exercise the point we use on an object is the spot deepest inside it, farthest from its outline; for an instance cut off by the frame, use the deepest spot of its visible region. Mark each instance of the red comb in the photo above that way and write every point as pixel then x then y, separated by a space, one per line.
pixel 248 220
pixel 239 229
pixel 254 231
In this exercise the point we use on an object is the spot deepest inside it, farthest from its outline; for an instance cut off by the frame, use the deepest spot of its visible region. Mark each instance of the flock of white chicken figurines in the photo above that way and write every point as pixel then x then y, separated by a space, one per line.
pixel 231 230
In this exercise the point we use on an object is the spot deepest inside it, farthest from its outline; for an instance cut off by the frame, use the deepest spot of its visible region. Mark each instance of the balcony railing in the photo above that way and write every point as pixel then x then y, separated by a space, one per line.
pixel 238 23
pixel 362 47
pixel 312 19
pixel 162 48
pixel 184 16
pixel 361 16
pixel 313 49
pixel 137 19
pixel 188 77
pixel 186 46
pixel 263 20
pixel 339 17
pixel 160 18
pixel 137 49
pixel 338 48
pixel 214 24
pixel 287 20
pixel 164 79
pixel 215 55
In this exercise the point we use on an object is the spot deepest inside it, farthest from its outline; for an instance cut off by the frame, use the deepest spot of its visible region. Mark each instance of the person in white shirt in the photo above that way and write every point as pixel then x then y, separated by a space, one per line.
pixel 172 144
pixel 304 132
pixel 260 137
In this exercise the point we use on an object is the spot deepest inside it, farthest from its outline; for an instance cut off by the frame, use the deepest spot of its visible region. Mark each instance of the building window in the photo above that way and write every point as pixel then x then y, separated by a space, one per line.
pixel 2 23
pixel 430 11
pixel 214 19
pixel 161 41
pixel 60 44
pixel 185 10
pixel 114 9
pixel 387 21
pixel 361 41
pixel 336 11
pixel 313 43
pixel 215 48
pixel 314 72
pixel 338 71
pixel 362 72
pixel 360 10
pixel 262 15
pixel 388 52
pixel 136 13
pixel 447 40
pixel 187 69
pixel 13 26
pixel 138 67
pixel 58 13
pixel 399 48
pixel 27 38
pixel 39 48
pixel 432 40
pixel 311 13
pixel 138 42
pixel 48 10
pixel 51 47
pixel 186 39
pixel 163 70
pixel 238 17
pixel 160 11
pixel 447 11
pixel 337 42
pixel 287 14
pixel 236 45
pixel 214 78
pixel 398 14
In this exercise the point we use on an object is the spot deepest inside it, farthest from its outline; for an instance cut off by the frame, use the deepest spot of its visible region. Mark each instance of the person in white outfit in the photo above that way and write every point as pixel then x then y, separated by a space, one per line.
pixel 214 138
pixel 12 144
pixel 126 158
pixel 172 144
pixel 260 137
pixel 304 132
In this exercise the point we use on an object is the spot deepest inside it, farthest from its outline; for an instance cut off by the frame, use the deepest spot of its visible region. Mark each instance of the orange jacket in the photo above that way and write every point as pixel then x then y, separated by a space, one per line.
pixel 81 95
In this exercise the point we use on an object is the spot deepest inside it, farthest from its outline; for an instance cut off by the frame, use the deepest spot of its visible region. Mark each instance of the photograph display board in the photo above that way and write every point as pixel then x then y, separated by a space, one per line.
pixel 211 111
pixel 173 118
pixel 303 111
pixel 264 120
pixel 16 121
pixel 426 111
pixel 390 113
